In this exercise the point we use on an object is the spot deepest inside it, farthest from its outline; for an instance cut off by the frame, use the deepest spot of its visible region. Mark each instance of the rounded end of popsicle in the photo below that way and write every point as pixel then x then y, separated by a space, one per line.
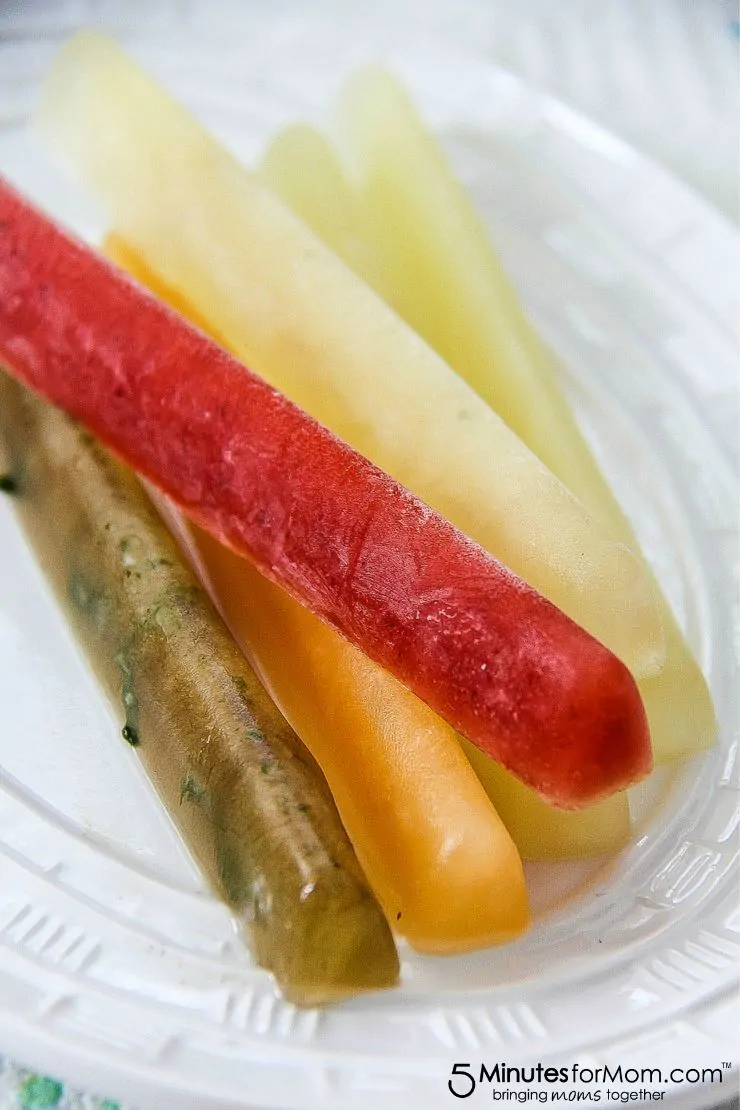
pixel 603 739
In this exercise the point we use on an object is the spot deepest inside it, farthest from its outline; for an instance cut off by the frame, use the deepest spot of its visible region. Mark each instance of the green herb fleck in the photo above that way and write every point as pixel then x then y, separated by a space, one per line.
pixel 255 735
pixel 79 593
pixel 191 790
pixel 39 1093
pixel 8 484
pixel 130 701
pixel 131 548
pixel 240 684
pixel 232 870
pixel 266 767
pixel 130 735
pixel 123 662
pixel 88 598
pixel 128 698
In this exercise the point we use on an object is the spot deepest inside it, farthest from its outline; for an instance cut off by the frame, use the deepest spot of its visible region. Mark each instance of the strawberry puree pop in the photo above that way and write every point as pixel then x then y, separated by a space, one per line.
pixel 488 653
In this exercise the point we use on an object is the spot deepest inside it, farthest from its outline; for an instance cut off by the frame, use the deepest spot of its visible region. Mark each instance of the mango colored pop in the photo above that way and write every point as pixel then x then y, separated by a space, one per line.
pixel 292 311
pixel 433 261
pixel 437 855
pixel 398 783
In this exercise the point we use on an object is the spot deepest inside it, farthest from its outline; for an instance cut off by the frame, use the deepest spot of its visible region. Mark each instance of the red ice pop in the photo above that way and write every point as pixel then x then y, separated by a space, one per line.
pixel 498 661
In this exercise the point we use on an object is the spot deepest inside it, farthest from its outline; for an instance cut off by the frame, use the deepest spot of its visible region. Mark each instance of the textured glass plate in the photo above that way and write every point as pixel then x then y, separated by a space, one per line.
pixel 116 969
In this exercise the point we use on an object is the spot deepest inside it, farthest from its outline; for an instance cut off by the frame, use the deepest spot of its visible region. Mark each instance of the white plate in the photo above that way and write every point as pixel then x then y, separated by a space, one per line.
pixel 116 969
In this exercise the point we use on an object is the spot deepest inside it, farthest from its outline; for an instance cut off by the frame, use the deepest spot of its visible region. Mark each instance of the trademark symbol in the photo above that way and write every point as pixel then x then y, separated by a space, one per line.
pixel 726 1064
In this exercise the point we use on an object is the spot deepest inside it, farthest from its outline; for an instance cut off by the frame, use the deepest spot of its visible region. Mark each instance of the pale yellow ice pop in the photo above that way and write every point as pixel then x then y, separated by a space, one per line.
pixel 426 251
pixel 291 310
